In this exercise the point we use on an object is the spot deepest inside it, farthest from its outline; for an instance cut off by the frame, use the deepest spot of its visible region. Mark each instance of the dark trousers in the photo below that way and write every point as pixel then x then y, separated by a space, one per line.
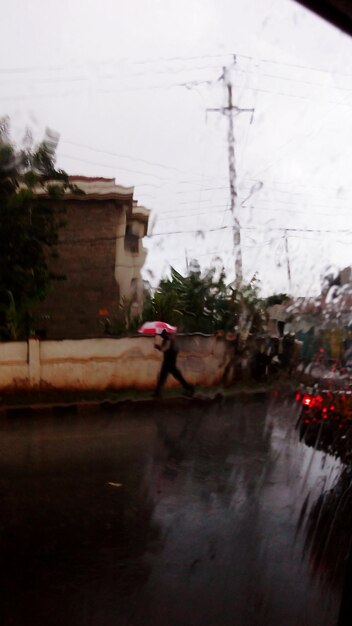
pixel 169 367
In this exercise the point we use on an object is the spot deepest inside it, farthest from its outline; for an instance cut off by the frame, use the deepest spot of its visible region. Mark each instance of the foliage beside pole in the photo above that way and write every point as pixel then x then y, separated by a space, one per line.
pixel 29 227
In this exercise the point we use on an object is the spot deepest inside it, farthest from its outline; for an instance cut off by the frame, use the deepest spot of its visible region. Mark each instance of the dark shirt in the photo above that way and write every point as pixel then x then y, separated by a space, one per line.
pixel 169 348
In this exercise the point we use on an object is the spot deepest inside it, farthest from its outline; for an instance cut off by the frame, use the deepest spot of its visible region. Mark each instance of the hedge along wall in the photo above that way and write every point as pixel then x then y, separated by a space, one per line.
pixel 98 364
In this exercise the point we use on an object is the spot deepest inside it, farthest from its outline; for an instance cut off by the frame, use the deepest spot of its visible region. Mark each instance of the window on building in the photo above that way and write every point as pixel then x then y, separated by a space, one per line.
pixel 131 240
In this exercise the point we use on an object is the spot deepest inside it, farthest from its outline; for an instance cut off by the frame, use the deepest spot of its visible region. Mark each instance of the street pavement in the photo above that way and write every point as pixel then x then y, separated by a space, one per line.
pixel 182 513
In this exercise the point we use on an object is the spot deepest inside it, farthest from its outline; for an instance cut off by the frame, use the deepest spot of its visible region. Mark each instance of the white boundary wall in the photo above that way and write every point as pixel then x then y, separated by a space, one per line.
pixel 130 362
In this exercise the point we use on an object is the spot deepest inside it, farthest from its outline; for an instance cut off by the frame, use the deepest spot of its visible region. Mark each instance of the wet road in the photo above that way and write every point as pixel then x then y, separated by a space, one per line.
pixel 152 515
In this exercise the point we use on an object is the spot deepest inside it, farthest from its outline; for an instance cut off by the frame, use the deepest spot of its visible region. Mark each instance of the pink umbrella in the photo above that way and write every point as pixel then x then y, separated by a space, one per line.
pixel 155 328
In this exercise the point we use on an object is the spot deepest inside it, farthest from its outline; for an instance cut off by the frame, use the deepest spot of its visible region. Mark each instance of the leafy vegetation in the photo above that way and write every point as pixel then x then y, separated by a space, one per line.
pixel 197 302
pixel 277 298
pixel 29 226
pixel 123 320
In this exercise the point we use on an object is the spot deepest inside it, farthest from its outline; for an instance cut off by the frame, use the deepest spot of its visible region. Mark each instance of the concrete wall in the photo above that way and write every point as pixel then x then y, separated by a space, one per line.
pixel 100 364
pixel 14 365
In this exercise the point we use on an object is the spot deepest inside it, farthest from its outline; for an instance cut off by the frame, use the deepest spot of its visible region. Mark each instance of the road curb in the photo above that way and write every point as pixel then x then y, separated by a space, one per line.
pixel 59 409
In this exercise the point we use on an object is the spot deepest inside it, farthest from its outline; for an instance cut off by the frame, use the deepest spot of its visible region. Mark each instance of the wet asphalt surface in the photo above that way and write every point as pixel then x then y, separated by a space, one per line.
pixel 204 514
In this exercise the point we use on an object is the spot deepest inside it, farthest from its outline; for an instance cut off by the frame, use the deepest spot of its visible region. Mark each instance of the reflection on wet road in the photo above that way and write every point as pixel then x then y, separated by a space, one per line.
pixel 197 514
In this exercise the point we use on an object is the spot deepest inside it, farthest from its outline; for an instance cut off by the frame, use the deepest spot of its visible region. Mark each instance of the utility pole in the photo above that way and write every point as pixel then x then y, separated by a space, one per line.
pixel 288 263
pixel 229 110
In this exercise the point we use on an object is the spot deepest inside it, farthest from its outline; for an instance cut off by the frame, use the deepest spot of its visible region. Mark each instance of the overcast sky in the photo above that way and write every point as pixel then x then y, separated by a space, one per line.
pixel 128 85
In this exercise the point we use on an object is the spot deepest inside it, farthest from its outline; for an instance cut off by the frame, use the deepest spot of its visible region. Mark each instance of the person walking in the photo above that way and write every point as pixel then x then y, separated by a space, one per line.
pixel 169 350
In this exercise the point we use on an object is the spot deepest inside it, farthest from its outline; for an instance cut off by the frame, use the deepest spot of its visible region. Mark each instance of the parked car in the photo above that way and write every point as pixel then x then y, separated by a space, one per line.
pixel 325 420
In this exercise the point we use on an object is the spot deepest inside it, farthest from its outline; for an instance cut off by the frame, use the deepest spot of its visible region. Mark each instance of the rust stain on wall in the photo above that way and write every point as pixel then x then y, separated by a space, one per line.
pixel 99 364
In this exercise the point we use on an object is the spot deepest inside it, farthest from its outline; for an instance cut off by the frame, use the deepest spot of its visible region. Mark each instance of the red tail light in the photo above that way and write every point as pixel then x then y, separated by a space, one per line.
pixel 311 401
pixel 307 400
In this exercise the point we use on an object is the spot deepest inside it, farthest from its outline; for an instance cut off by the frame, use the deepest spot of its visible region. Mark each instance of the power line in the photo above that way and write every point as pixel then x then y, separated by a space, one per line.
pixel 114 167
pixel 138 159
pixel 172 214
pixel 225 188
pixel 199 231
pixel 168 182
pixel 102 77
pixel 185 84
pixel 302 230
pixel 263 228
pixel 269 209
pixel 124 156
pixel 174 59
pixel 219 252
pixel 179 192
pixel 191 215
pixel 260 199
pixel 54 68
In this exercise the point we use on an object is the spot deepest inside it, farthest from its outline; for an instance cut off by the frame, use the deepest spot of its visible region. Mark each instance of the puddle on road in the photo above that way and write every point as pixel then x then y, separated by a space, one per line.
pixel 224 515
pixel 237 502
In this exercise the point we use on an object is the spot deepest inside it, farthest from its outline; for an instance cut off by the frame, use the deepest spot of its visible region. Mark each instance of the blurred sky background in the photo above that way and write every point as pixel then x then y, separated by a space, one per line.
pixel 128 85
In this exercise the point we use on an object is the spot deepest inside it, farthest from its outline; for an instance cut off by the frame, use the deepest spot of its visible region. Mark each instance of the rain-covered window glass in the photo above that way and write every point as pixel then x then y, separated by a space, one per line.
pixel 175 313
